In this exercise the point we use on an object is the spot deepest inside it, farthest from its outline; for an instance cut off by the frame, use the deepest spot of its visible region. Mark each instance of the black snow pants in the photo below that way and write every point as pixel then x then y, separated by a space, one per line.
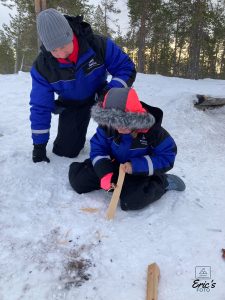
pixel 137 192
pixel 72 130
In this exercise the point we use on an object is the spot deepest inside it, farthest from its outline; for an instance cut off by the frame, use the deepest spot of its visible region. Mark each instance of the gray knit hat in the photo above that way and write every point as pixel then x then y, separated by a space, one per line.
pixel 53 29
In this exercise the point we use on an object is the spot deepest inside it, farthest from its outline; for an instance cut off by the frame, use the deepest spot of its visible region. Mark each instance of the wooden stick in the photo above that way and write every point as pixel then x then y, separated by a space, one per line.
pixel 116 195
pixel 152 282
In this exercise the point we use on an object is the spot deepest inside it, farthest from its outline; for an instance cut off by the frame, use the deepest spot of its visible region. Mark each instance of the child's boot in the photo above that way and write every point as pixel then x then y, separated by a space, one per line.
pixel 175 183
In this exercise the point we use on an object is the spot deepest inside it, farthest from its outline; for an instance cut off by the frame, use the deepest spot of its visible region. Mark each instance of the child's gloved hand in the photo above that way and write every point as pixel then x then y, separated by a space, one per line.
pixel 105 182
pixel 127 168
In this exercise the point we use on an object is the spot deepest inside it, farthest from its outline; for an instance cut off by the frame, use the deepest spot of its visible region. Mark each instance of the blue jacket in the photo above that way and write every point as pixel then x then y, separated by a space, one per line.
pixel 149 153
pixel 75 84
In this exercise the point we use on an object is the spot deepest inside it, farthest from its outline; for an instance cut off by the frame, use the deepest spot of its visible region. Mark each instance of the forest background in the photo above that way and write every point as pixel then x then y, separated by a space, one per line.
pixel 182 38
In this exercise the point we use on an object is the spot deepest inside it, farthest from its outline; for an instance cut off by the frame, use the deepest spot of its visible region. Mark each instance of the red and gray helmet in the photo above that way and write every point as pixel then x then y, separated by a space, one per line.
pixel 122 108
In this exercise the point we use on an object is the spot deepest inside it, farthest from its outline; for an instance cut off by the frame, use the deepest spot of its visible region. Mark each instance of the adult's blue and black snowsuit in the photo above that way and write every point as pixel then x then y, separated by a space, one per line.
pixel 76 86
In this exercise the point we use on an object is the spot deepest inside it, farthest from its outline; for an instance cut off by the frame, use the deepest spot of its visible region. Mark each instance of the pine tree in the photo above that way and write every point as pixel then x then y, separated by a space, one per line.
pixel 108 8
pixel 142 15
pixel 180 11
pixel 98 23
pixel 138 19
pixel 22 33
pixel 198 23
pixel 213 44
pixel 75 7
pixel 6 55
pixel 22 28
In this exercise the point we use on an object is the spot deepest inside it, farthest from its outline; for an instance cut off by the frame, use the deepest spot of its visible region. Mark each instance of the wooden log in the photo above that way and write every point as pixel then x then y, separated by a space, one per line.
pixel 152 282
pixel 116 195
pixel 204 100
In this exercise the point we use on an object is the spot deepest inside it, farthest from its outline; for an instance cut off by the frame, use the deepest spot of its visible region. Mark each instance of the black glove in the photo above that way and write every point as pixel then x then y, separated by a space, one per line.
pixel 39 153
pixel 102 93
pixel 59 108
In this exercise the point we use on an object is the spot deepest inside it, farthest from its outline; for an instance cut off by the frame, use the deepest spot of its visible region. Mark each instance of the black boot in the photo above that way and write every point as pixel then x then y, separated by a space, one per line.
pixel 175 183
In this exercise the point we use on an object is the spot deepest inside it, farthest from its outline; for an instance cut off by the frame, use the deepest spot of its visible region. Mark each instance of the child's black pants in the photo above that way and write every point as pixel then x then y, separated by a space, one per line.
pixel 137 191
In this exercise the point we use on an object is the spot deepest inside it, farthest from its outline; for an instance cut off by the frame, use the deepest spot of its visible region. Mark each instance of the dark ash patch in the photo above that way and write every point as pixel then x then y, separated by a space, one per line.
pixel 76 273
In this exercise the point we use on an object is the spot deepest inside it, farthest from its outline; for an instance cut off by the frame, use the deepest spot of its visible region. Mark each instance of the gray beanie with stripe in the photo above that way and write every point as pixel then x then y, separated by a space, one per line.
pixel 53 29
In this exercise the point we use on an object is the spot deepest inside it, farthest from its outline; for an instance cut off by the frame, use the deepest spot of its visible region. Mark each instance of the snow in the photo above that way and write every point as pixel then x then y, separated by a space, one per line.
pixel 51 249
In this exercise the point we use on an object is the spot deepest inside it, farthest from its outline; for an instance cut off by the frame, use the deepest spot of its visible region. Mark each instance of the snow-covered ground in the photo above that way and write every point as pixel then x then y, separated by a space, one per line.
pixel 51 249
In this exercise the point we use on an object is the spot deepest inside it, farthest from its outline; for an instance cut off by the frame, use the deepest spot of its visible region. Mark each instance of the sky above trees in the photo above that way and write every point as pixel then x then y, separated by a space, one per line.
pixel 122 5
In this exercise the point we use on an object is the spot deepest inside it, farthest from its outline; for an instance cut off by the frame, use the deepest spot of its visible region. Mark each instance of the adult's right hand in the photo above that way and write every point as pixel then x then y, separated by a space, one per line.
pixel 39 153
pixel 102 93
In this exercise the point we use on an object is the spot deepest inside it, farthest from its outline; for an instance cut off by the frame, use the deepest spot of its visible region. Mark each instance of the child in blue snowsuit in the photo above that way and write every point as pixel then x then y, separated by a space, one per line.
pixel 129 133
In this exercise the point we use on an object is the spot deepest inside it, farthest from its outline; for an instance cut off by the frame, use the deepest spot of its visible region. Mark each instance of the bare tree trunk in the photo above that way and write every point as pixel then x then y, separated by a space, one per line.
pixel 178 68
pixel 156 53
pixel 16 66
pixel 21 66
pixel 174 62
pixel 39 6
pixel 196 35
pixel 105 21
pixel 212 61
pixel 141 43
pixel 222 62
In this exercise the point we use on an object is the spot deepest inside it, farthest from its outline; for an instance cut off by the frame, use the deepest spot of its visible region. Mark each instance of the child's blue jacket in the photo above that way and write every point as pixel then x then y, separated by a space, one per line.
pixel 150 152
